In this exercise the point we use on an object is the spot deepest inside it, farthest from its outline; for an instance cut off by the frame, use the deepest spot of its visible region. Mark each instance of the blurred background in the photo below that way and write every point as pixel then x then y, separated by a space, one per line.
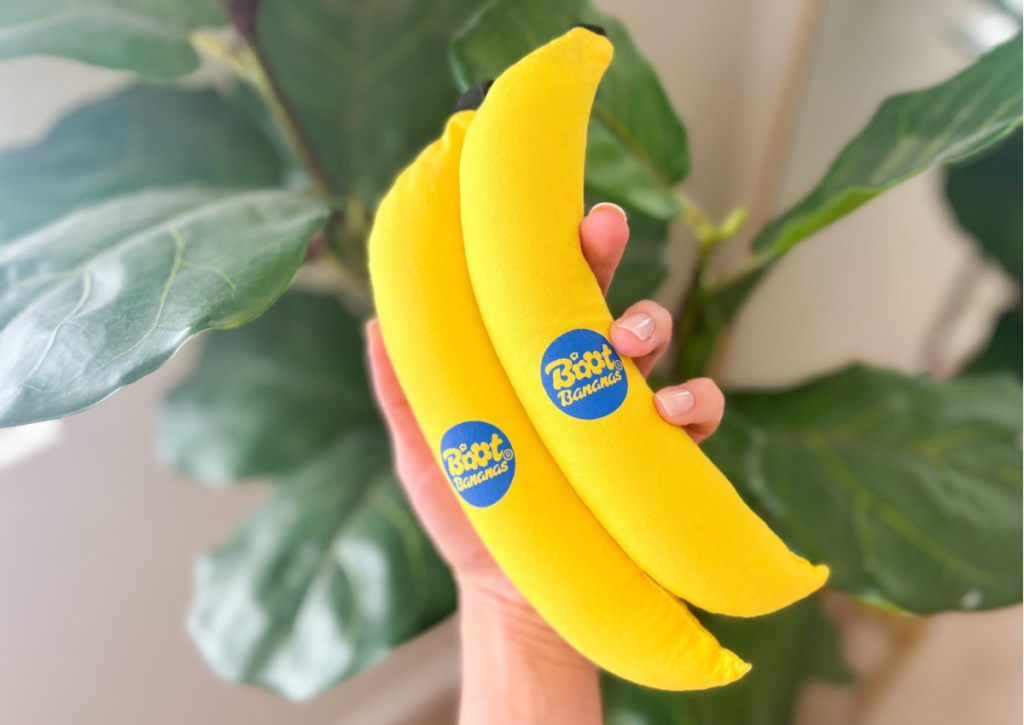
pixel 98 539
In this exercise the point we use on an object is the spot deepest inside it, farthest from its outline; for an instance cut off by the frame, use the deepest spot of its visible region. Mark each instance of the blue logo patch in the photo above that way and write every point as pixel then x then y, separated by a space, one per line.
pixel 583 375
pixel 479 461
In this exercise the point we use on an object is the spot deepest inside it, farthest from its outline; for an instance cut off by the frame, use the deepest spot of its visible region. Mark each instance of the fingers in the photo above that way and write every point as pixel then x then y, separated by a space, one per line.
pixel 385 381
pixel 642 333
pixel 697 405
pixel 413 460
pixel 394 406
pixel 603 236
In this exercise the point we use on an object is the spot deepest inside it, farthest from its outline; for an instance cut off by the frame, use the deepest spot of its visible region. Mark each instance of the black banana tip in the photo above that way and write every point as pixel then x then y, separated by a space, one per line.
pixel 472 98
pixel 592 28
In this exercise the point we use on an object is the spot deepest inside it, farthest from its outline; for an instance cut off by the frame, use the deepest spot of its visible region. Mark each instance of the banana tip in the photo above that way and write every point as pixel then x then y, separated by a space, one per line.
pixel 592 28
pixel 736 669
pixel 823 572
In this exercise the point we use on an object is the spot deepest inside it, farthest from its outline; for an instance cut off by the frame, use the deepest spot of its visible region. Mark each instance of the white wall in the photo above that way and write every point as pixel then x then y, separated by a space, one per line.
pixel 875 286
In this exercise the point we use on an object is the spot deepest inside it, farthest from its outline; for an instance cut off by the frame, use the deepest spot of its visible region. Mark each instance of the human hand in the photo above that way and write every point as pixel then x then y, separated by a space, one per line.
pixel 643 333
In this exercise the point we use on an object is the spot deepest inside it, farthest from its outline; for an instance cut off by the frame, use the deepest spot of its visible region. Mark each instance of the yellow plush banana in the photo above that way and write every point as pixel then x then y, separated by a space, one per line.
pixel 650 486
pixel 517 499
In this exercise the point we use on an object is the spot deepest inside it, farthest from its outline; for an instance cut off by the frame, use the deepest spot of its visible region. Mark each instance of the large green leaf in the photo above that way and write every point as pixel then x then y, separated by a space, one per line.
pixel 636 148
pixel 144 137
pixel 146 36
pixel 985 194
pixel 909 488
pixel 323 580
pixel 106 295
pixel 909 134
pixel 370 82
pixel 270 395
pixel 786 649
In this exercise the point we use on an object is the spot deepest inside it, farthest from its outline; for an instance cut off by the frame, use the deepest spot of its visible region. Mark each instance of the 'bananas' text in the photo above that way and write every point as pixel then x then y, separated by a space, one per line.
pixel 478 461
pixel 567 373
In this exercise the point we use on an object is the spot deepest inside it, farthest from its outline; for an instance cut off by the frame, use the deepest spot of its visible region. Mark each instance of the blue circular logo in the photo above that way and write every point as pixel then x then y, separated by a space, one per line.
pixel 583 375
pixel 479 461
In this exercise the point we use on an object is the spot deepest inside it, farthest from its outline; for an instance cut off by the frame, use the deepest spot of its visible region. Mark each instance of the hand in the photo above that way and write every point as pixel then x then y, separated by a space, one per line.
pixel 504 627
pixel 642 333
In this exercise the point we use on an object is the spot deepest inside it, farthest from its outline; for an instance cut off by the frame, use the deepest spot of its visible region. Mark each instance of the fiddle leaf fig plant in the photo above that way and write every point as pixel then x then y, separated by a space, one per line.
pixel 166 209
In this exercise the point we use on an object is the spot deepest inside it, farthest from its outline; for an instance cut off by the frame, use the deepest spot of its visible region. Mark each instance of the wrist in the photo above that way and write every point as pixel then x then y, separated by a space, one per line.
pixel 516 668
pixel 507 620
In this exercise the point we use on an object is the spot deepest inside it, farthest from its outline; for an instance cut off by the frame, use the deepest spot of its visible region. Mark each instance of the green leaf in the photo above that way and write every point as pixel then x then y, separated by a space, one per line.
pixel 370 82
pixel 909 488
pixel 643 266
pixel 146 136
pixel 909 134
pixel 146 36
pixel 270 395
pixel 637 146
pixel 1003 353
pixel 106 295
pixel 985 194
pixel 787 649
pixel 324 580
pixel 616 174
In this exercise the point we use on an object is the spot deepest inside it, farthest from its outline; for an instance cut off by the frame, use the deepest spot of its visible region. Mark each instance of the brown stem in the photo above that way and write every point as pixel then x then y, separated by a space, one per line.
pixel 245 19
pixel 249 61
pixel 244 14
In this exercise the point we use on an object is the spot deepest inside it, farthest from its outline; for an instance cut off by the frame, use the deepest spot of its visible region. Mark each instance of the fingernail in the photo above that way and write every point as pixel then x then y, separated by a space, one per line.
pixel 675 402
pixel 608 205
pixel 639 324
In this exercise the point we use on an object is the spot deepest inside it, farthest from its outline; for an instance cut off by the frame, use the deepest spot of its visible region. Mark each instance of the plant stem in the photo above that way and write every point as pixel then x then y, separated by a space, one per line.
pixel 286 117
pixel 695 344
pixel 695 336
pixel 256 68
pixel 699 222
pixel 248 60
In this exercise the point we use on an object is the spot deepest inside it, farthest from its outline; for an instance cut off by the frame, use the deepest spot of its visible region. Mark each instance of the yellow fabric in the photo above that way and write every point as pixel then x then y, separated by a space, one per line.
pixel 539 531
pixel 649 485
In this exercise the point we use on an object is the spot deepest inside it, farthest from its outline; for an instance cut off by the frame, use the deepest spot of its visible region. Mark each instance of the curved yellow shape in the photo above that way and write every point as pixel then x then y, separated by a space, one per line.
pixel 537 529
pixel 651 487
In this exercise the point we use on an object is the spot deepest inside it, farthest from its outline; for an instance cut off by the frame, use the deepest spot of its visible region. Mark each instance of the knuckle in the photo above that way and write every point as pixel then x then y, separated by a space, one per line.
pixel 710 391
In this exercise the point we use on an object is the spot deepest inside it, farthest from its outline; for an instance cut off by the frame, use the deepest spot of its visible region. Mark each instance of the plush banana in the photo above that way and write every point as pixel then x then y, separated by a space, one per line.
pixel 529 517
pixel 648 484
